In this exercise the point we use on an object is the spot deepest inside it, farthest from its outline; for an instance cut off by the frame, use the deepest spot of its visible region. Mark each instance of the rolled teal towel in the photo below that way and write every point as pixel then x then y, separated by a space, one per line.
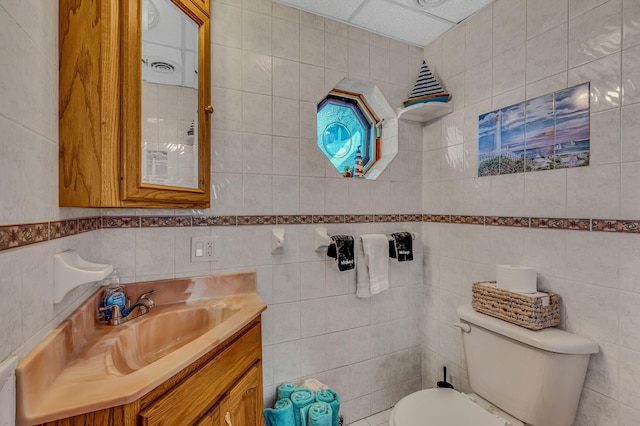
pixel 304 411
pixel 319 414
pixel 301 398
pixel 331 398
pixel 285 390
pixel 281 414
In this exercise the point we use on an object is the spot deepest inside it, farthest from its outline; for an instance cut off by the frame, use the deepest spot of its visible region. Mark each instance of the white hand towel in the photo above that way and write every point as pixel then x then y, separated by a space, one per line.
pixel 362 272
pixel 373 268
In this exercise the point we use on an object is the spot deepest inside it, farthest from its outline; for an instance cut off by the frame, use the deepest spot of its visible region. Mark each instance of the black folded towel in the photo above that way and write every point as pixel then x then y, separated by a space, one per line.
pixel 401 246
pixel 341 249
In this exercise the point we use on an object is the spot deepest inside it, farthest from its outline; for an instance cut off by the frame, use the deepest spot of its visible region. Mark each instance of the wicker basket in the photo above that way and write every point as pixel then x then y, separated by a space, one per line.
pixel 533 311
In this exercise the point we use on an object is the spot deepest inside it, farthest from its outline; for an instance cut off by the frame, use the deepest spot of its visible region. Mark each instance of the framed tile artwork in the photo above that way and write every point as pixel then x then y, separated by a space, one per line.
pixel 545 133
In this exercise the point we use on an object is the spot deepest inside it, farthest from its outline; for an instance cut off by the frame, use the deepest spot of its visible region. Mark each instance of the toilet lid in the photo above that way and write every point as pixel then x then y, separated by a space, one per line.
pixel 441 407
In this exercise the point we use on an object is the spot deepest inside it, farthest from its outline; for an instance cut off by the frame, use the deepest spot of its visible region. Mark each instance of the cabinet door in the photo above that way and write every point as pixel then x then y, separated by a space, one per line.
pixel 161 164
pixel 212 418
pixel 122 144
pixel 243 405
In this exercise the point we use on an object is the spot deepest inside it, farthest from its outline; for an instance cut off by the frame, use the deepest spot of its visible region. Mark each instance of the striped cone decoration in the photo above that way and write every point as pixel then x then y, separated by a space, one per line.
pixel 427 88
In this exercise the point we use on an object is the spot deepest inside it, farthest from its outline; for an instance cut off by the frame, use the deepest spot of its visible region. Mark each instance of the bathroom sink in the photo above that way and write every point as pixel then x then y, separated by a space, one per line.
pixel 84 365
pixel 151 337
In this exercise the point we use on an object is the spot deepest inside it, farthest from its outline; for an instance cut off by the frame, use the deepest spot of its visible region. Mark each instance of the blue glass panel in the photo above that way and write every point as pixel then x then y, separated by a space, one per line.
pixel 337 140
pixel 342 130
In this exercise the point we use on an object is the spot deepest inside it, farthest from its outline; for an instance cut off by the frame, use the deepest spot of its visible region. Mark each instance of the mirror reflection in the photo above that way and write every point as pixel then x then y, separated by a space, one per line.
pixel 169 95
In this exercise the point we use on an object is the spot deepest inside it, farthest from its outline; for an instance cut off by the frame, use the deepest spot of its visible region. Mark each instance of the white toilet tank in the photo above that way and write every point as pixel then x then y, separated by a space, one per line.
pixel 536 376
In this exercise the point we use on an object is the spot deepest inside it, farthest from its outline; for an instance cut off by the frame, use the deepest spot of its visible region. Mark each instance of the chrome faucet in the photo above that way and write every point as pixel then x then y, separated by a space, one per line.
pixel 119 316
pixel 144 304
pixel 115 318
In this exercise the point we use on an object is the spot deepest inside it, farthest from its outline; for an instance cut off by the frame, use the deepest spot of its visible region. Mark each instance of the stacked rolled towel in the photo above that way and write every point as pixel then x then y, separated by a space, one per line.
pixel 330 397
pixel 319 414
pixel 281 414
pixel 314 384
pixel 285 390
pixel 301 398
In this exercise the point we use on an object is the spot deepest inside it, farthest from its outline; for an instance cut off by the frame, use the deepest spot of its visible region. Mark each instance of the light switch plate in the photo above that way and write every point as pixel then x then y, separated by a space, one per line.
pixel 202 249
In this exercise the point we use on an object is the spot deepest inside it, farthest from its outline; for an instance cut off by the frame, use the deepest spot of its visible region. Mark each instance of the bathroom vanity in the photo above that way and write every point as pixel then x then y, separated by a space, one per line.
pixel 195 358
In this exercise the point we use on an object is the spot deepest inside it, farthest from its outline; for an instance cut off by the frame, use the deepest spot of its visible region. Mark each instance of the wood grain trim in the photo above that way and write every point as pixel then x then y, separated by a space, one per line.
pixel 88 101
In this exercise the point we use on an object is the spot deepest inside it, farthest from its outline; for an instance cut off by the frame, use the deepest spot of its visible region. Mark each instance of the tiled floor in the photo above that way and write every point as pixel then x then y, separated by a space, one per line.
pixel 380 419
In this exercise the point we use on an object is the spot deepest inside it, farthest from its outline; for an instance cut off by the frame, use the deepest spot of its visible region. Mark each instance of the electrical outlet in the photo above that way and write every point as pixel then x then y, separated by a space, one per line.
pixel 202 249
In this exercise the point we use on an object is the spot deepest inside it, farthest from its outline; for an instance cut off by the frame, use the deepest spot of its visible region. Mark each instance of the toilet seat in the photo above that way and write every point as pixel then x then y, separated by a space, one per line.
pixel 441 407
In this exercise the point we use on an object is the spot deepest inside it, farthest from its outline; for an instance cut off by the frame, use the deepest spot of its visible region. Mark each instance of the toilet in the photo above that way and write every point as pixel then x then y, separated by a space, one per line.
pixel 519 376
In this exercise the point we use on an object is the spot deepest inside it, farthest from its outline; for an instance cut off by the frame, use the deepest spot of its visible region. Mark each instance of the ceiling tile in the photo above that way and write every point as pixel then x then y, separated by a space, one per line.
pixel 451 10
pixel 337 9
pixel 399 19
pixel 399 22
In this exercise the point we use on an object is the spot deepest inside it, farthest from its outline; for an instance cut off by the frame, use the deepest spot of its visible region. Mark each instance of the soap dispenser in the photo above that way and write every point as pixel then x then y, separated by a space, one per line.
pixel 113 295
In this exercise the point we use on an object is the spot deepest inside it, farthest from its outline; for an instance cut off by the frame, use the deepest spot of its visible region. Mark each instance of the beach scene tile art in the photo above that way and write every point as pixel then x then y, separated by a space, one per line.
pixel 545 133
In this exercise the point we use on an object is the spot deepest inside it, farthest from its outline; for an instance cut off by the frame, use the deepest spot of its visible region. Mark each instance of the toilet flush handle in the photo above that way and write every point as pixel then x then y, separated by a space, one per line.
pixel 462 326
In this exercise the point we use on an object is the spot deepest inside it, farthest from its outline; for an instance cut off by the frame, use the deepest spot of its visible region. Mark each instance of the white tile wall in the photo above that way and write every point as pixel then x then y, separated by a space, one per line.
pixel 540 47
pixel 265 162
pixel 270 64
pixel 28 181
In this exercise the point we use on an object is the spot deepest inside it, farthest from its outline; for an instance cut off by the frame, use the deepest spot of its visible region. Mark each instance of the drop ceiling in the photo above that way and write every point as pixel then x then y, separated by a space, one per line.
pixel 417 22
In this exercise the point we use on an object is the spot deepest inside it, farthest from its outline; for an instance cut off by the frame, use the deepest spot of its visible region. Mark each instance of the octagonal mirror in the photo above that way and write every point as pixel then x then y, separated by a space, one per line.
pixel 357 129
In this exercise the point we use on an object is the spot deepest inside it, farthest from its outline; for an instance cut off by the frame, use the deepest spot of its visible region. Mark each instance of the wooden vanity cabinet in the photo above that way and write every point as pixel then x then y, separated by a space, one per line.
pixel 241 405
pixel 223 388
pixel 100 108
pixel 212 418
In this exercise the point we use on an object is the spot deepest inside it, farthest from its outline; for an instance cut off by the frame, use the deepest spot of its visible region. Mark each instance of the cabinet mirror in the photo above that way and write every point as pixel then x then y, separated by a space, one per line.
pixel 169 95
pixel 134 112
pixel 172 147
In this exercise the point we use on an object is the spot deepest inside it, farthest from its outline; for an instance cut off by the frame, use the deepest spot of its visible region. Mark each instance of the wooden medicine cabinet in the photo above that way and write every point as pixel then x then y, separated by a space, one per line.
pixel 134 103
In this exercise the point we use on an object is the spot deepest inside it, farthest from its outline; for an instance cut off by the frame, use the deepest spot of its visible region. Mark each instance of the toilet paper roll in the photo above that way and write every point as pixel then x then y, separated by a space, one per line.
pixel 520 279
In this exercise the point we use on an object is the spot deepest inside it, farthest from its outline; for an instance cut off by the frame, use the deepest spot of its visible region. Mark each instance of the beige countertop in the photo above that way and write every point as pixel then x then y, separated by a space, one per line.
pixel 84 366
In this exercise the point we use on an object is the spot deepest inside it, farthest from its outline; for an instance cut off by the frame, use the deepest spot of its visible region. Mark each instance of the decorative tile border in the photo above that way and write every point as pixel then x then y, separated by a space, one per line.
pixel 520 222
pixel 164 221
pixel 214 221
pixel 120 221
pixel 294 219
pixel 63 228
pixel 257 220
pixel 437 218
pixel 19 235
pixel 410 218
pixel 627 226
pixel 12 236
pixel 468 220
pixel 358 218
pixel 328 218
pixel 385 218
pixel 87 224
pixel 560 223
